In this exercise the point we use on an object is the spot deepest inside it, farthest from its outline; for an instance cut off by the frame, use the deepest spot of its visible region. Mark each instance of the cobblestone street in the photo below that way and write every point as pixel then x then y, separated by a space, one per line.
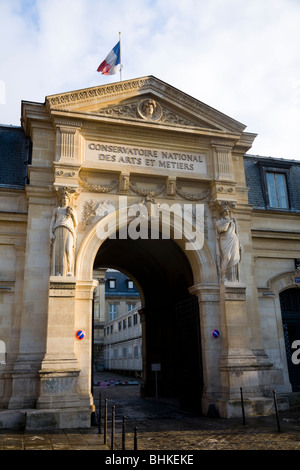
pixel 161 426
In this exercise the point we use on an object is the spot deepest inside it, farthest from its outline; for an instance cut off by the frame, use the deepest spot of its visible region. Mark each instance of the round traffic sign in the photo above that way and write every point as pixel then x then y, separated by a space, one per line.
pixel 215 333
pixel 80 334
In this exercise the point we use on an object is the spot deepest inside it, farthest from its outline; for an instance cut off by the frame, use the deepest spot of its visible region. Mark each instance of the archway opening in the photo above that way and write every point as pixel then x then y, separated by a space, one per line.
pixel 290 310
pixel 170 315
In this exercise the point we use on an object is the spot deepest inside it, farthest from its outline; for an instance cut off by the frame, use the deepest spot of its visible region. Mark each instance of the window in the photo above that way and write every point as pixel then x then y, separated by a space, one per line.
pixel 120 326
pixel 124 352
pixel 136 351
pixel 130 284
pixel 112 283
pixel 112 312
pixel 135 319
pixel 277 190
pixel 129 322
pixel 124 324
pixel 130 307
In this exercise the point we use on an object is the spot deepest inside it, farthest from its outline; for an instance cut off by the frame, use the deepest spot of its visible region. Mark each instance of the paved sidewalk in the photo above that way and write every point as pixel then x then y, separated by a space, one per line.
pixel 58 440
pixel 161 426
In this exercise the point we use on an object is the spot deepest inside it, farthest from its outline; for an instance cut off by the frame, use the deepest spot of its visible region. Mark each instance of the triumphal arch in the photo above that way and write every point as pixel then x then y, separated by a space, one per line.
pixel 140 177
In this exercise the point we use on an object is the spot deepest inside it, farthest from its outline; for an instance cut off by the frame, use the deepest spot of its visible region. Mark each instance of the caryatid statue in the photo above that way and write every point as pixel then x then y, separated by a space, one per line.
pixel 63 235
pixel 228 245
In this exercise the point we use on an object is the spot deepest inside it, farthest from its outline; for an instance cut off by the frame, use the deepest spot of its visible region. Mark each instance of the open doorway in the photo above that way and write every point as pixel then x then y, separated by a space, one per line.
pixel 117 338
pixel 169 315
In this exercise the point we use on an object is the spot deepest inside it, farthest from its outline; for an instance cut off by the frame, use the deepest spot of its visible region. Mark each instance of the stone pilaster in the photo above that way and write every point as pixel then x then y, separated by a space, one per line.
pixel 223 159
pixel 59 368
pixel 33 304
pixel 239 366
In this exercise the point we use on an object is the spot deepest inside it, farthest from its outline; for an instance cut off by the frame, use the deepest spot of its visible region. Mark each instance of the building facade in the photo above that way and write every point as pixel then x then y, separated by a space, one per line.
pixel 117 330
pixel 123 344
pixel 274 186
pixel 139 177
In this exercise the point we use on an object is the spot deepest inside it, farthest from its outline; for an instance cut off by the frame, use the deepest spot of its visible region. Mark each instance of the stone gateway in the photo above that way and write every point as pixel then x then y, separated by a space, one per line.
pixel 140 177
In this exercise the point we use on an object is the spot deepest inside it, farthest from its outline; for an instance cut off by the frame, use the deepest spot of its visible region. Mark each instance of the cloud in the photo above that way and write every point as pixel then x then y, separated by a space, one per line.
pixel 241 58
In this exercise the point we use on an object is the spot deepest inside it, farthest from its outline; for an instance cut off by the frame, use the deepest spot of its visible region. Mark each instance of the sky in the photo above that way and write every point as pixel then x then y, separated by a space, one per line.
pixel 239 57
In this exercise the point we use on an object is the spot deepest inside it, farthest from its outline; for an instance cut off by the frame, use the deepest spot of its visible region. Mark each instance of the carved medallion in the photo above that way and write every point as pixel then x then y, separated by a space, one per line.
pixel 149 110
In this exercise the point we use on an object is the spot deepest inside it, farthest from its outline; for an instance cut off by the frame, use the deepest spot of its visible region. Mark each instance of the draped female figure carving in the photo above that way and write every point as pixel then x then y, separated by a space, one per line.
pixel 228 247
pixel 63 237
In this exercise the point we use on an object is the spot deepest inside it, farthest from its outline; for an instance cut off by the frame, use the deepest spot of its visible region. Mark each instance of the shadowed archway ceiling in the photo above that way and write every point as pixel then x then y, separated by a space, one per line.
pixel 160 266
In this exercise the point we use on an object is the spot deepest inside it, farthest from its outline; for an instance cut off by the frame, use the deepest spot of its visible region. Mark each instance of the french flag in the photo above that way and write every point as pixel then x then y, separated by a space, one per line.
pixel 110 63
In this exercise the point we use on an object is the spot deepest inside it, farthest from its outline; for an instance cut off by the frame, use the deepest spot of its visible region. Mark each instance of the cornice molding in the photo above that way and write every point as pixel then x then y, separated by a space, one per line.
pixel 141 86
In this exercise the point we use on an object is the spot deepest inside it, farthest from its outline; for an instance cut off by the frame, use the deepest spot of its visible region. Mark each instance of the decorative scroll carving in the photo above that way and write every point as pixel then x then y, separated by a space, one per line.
pixel 172 118
pixel 192 196
pixel 171 187
pixel 147 109
pixel 97 188
pixel 124 183
pixel 128 110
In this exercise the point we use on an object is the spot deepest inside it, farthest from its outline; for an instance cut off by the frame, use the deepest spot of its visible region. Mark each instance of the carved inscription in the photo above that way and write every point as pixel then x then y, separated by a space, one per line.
pixel 116 155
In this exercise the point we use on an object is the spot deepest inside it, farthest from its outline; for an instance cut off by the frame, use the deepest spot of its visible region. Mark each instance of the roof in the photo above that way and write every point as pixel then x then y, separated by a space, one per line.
pixel 121 289
pixel 254 164
pixel 15 154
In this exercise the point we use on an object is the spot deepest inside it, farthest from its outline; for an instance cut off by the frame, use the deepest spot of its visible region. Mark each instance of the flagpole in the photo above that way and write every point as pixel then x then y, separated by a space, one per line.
pixel 121 65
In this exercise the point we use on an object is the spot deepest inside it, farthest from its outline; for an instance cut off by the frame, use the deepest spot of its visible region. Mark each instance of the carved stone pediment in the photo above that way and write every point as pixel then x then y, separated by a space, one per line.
pixel 126 100
pixel 161 114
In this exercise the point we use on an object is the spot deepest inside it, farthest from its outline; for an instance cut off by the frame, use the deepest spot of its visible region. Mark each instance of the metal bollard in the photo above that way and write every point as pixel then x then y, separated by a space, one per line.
pixel 123 433
pixel 99 414
pixel 242 401
pixel 112 428
pixel 105 422
pixel 135 439
pixel 276 410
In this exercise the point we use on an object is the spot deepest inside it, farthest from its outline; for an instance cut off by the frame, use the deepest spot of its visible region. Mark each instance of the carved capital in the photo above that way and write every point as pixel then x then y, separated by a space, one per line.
pixel 222 205
pixel 69 192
